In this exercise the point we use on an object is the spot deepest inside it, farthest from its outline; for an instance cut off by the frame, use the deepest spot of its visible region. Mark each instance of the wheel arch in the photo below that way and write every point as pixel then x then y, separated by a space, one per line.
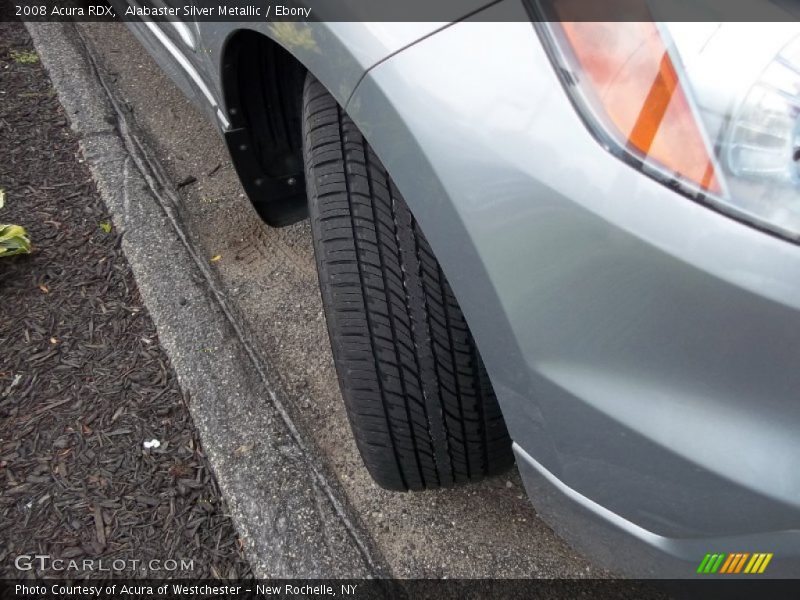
pixel 262 86
pixel 388 136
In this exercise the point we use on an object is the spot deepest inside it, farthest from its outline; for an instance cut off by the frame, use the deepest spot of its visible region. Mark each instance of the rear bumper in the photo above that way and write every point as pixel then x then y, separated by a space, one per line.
pixel 645 349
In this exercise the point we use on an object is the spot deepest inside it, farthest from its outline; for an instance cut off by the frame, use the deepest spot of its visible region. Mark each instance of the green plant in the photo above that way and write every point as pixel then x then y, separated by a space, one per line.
pixel 13 238
pixel 25 58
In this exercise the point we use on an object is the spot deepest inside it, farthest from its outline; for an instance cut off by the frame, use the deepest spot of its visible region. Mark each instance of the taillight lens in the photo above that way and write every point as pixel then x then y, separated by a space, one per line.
pixel 710 109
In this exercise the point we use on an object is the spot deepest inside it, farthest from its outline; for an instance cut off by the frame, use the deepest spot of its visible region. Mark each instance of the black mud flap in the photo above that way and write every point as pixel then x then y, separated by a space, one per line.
pixel 279 201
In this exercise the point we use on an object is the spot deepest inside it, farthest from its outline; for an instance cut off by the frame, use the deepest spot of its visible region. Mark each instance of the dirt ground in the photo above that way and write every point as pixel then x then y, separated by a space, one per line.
pixel 83 380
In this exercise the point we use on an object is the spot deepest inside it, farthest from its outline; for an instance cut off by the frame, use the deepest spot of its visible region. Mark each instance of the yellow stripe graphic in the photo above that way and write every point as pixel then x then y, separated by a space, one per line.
pixel 765 563
pixel 755 563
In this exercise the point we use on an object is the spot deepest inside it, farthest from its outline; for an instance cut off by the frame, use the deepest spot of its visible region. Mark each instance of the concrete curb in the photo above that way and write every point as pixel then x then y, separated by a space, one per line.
pixel 293 521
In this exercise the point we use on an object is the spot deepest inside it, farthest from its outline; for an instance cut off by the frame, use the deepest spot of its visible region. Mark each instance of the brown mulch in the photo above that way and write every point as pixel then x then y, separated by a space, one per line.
pixel 83 380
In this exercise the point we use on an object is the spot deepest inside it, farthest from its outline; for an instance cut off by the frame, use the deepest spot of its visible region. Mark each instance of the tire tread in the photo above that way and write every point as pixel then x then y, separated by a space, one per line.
pixel 418 398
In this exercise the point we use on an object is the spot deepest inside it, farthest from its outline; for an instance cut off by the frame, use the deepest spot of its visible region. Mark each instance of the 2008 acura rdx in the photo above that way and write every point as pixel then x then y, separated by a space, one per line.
pixel 579 236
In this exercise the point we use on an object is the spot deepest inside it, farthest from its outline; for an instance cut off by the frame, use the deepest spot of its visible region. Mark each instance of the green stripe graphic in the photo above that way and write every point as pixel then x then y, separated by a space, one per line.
pixel 703 563
pixel 718 564
pixel 711 562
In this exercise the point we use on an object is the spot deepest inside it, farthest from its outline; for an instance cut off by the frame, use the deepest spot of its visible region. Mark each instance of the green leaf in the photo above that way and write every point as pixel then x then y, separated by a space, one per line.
pixel 14 240
pixel 25 58
pixel 105 226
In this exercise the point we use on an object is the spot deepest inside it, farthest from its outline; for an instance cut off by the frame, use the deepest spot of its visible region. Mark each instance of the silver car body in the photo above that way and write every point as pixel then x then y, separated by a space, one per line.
pixel 644 348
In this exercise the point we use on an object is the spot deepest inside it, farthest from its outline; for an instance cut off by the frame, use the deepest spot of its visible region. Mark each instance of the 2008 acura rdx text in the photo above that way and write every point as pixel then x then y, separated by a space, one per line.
pixel 572 243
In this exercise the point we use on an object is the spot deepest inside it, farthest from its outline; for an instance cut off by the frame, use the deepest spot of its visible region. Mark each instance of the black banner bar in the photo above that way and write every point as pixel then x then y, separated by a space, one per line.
pixel 416 589
pixel 260 11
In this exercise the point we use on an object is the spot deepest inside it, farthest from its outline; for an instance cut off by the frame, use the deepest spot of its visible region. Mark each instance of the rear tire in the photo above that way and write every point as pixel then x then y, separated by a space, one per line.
pixel 420 403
